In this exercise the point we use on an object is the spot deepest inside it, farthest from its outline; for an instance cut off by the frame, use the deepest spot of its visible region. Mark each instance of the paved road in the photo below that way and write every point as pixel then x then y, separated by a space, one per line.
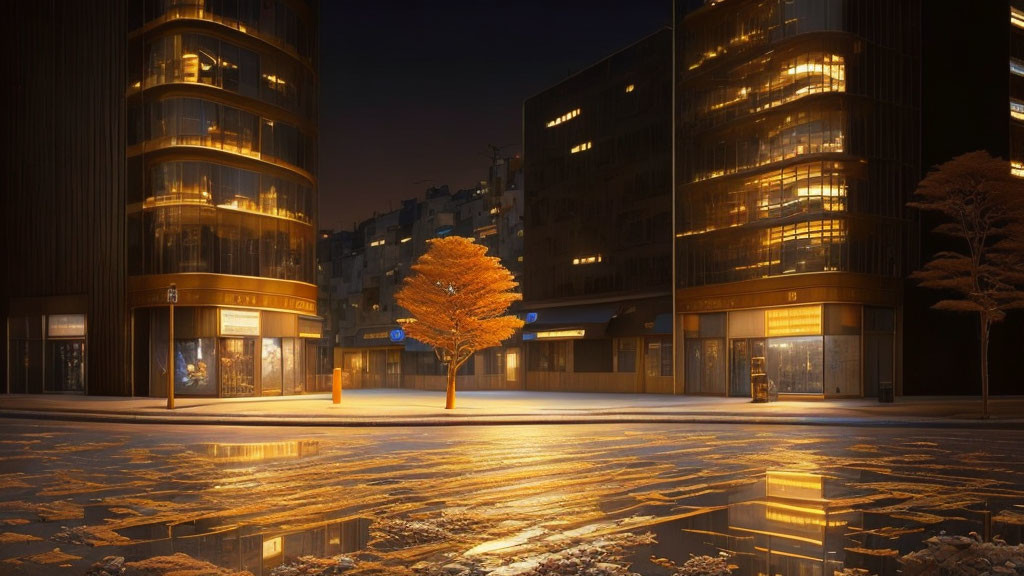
pixel 496 499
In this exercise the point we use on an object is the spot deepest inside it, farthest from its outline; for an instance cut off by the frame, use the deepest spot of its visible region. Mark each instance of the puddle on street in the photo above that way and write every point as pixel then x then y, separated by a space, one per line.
pixel 593 501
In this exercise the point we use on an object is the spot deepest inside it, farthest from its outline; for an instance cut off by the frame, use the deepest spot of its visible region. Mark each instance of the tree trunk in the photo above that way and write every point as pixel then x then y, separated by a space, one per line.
pixel 449 400
pixel 986 323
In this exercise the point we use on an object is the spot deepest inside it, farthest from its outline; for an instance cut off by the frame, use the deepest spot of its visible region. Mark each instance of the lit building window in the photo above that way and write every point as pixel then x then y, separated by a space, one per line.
pixel 596 258
pixel 581 147
pixel 1017 109
pixel 1017 168
pixel 1016 17
pixel 630 88
pixel 1016 67
pixel 379 242
pixel 406 239
pixel 564 118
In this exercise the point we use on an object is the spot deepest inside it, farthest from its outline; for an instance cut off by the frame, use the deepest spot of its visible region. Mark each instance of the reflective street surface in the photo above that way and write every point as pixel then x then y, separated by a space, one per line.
pixel 466 500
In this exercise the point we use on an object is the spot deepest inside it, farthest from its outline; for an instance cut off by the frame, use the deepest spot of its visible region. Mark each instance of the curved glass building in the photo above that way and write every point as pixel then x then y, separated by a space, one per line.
pixel 796 153
pixel 221 106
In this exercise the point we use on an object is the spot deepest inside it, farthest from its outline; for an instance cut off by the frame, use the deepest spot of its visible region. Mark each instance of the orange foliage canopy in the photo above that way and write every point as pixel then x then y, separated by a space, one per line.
pixel 458 297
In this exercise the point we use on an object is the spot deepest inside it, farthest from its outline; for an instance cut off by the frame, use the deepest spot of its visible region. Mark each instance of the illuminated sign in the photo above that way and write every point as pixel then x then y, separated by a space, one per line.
pixel 561 334
pixel 375 335
pixel 795 321
pixel 397 335
pixel 530 317
pixel 239 322
pixel 65 325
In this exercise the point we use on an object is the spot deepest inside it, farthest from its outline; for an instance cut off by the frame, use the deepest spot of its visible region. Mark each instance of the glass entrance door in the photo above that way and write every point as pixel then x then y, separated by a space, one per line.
pixel 67 366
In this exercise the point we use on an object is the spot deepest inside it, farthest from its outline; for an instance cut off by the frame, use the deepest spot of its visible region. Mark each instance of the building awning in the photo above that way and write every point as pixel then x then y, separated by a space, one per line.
pixel 568 322
pixel 647 317
pixel 414 345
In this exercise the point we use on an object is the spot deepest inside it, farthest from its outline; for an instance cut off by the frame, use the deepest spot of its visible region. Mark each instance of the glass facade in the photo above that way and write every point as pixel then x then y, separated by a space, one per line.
pixel 221 193
pixel 275 21
pixel 271 78
pixel 794 158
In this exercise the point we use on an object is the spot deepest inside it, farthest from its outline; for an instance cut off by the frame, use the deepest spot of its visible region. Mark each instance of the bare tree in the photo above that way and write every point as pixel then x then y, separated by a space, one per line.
pixel 982 206
pixel 458 297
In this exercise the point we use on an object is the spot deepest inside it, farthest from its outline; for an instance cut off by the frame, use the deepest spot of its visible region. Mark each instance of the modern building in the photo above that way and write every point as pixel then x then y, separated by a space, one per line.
pixel 797 146
pixel 597 225
pixel 597 228
pixel 173 144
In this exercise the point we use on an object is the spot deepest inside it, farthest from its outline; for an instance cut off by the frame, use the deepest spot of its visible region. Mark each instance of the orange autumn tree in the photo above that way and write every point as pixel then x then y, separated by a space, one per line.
pixel 458 296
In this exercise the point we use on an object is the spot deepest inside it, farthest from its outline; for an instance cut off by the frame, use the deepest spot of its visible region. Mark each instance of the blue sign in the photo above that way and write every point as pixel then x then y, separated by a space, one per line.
pixel 529 336
pixel 531 317
pixel 397 335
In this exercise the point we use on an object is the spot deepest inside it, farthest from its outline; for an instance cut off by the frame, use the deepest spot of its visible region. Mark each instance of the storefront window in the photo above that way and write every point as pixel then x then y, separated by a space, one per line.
pixel 237 357
pixel 195 366
pixel 271 363
pixel 795 364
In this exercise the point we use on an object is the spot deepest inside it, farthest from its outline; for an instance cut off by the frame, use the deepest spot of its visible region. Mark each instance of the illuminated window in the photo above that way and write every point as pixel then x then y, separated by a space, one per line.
pixel 1016 17
pixel 1017 109
pixel 378 242
pixel 1016 67
pixel 629 88
pixel 1017 168
pixel 581 147
pixel 586 260
pixel 564 118
pixel 406 239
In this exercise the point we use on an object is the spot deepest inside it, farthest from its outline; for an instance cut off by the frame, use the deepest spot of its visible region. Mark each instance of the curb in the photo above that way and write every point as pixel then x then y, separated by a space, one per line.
pixel 507 420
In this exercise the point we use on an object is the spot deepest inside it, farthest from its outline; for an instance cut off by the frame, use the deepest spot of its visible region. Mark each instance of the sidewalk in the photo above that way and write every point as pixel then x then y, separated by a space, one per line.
pixel 426 408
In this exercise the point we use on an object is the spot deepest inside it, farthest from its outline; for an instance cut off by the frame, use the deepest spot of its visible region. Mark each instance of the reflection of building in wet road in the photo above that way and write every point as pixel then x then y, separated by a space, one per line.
pixel 486 496
pixel 783 523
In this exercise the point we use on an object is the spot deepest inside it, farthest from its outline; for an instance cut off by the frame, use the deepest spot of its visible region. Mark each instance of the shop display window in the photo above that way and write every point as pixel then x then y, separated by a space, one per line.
pixel 195 367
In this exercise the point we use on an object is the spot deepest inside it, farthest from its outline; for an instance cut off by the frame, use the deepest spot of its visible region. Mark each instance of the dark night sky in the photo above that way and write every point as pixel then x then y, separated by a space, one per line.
pixel 413 92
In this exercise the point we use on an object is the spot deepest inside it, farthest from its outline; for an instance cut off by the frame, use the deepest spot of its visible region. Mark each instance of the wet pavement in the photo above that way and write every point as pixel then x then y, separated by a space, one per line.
pixel 590 499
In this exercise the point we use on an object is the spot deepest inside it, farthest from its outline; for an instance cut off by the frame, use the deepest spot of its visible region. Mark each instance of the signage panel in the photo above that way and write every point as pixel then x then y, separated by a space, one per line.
pixel 65 325
pixel 239 322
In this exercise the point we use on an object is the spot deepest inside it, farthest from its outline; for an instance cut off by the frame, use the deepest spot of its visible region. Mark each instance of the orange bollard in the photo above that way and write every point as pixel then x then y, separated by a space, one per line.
pixel 336 386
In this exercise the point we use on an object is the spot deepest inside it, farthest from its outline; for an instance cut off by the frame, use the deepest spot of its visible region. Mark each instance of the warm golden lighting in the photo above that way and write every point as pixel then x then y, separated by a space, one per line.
pixel 1016 17
pixel 630 88
pixel 795 321
pixel 581 147
pixel 512 366
pixel 586 260
pixel 561 334
pixel 378 242
pixel 564 118
pixel 1017 168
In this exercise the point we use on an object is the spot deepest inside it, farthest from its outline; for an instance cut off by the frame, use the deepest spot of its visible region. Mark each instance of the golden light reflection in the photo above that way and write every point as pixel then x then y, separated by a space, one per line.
pixel 262 451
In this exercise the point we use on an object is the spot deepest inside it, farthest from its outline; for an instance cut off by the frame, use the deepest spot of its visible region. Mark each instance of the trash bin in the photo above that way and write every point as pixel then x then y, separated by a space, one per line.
pixel 885 392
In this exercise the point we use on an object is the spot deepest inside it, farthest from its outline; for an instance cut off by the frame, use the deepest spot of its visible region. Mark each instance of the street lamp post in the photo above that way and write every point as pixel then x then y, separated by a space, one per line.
pixel 172 298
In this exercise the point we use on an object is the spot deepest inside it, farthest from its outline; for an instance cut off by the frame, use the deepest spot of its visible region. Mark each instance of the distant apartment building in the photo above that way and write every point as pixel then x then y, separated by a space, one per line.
pixel 597 245
pixel 797 148
pixel 363 269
